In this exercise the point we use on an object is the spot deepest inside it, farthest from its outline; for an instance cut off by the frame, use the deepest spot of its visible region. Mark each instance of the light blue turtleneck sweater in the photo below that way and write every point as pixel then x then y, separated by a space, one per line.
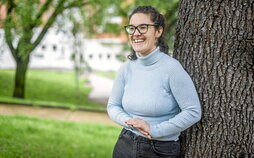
pixel 157 89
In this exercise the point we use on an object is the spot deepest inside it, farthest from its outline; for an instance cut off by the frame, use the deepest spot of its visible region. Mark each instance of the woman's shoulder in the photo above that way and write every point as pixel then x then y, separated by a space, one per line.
pixel 171 61
pixel 171 65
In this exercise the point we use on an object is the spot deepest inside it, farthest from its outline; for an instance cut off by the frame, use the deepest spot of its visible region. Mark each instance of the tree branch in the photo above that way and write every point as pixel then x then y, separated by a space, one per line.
pixel 1 4
pixel 7 28
pixel 27 31
pixel 10 6
pixel 76 4
pixel 51 20
pixel 59 9
pixel 43 9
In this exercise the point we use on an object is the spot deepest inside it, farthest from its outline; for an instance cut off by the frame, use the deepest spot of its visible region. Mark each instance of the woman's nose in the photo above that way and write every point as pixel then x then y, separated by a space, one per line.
pixel 136 32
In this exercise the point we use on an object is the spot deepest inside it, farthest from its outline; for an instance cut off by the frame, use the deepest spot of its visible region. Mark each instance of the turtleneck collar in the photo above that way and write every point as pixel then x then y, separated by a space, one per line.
pixel 150 59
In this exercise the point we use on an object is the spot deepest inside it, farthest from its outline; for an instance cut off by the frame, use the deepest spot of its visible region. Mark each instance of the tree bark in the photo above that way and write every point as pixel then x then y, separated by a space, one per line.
pixel 215 44
pixel 20 77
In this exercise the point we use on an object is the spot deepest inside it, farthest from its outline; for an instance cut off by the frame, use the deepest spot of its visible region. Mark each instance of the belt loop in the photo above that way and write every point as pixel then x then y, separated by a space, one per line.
pixel 135 137
pixel 124 131
pixel 152 144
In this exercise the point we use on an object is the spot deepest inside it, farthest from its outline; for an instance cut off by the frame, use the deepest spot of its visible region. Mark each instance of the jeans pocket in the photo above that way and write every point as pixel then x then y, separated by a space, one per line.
pixel 169 148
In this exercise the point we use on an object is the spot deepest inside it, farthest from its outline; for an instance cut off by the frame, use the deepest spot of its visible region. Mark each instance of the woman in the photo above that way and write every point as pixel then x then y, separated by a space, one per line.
pixel 153 97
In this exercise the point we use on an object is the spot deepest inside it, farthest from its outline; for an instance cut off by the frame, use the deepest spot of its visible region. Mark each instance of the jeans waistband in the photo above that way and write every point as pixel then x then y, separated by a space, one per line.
pixel 141 138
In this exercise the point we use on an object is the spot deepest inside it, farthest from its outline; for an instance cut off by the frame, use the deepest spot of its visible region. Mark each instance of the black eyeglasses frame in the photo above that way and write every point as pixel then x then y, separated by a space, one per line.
pixel 136 28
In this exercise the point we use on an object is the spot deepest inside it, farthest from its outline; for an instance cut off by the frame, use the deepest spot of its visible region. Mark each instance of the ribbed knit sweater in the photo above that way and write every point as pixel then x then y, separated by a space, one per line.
pixel 158 90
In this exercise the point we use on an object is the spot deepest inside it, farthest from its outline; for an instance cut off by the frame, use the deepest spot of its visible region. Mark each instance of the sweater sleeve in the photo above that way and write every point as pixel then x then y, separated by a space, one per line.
pixel 114 108
pixel 187 99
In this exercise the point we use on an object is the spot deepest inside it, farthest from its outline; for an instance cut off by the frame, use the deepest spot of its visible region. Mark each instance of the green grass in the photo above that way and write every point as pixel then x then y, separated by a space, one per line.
pixel 26 137
pixel 47 88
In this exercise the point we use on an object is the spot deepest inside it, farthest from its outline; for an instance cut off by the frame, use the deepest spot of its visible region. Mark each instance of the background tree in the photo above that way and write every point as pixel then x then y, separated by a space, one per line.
pixel 23 17
pixel 215 44
pixel 77 55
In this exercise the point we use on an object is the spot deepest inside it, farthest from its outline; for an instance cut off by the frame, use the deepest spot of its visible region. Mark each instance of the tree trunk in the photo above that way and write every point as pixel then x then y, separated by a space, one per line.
pixel 215 44
pixel 20 77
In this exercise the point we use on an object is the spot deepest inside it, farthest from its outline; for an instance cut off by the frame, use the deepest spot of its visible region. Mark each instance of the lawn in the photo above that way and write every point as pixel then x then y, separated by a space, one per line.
pixel 26 137
pixel 48 88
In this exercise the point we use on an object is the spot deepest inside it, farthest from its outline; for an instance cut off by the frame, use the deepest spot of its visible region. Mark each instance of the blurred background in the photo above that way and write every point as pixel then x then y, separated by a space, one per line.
pixel 58 61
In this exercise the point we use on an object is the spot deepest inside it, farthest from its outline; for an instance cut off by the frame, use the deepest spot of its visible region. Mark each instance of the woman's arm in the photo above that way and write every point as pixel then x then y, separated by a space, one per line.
pixel 114 107
pixel 186 96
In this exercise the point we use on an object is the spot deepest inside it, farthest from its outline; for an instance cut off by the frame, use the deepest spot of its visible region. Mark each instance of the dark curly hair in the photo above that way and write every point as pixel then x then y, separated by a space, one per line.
pixel 157 18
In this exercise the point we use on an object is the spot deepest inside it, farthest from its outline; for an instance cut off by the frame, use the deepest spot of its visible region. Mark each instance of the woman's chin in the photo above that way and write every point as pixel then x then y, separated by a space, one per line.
pixel 138 50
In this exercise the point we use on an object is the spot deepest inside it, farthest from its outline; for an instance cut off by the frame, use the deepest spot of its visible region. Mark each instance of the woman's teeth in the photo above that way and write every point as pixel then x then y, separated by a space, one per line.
pixel 138 41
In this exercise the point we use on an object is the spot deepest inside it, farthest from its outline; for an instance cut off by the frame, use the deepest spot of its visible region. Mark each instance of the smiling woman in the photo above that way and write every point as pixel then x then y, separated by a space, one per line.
pixel 150 26
pixel 143 41
pixel 153 97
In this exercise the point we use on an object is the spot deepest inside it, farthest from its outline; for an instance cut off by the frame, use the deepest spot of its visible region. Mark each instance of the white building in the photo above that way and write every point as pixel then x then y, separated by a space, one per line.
pixel 100 56
pixel 55 51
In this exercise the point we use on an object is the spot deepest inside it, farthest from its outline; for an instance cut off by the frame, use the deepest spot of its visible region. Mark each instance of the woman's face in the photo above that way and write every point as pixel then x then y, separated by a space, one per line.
pixel 145 43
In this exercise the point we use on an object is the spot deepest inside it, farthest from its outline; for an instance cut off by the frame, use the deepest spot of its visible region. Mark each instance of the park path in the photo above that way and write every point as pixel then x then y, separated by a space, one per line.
pixel 101 88
pixel 57 114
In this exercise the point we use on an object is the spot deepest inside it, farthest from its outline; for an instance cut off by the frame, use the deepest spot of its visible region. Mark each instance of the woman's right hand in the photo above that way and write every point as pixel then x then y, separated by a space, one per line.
pixel 141 125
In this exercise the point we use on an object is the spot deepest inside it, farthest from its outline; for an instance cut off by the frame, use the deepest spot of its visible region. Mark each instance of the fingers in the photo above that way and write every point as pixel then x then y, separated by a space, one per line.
pixel 138 123
pixel 141 125
pixel 146 134
pixel 133 120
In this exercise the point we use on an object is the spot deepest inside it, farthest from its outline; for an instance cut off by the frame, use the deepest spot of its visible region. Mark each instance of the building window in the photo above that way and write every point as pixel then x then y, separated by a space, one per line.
pixel 100 56
pixel 38 55
pixel 54 48
pixel 43 47
pixel 108 56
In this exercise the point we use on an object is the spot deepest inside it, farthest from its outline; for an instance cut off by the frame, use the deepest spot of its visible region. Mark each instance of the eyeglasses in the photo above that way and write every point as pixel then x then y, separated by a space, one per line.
pixel 142 28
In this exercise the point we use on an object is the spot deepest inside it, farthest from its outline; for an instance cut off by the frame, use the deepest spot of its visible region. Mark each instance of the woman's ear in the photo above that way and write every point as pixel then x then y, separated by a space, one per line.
pixel 158 32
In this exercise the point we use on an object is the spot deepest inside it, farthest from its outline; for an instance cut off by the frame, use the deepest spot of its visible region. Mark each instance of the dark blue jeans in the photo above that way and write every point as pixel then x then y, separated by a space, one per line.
pixel 130 145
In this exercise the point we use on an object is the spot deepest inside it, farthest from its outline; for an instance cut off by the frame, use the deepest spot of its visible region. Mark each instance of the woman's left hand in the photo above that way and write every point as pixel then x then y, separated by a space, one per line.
pixel 140 125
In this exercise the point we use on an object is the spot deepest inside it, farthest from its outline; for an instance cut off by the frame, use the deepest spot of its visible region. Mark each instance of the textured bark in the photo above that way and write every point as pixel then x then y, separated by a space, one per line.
pixel 20 77
pixel 215 44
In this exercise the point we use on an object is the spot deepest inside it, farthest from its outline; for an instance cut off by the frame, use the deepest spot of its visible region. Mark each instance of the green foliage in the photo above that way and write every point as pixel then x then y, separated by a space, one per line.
pixel 121 57
pixel 98 15
pixel 112 28
pixel 49 88
pixel 39 138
